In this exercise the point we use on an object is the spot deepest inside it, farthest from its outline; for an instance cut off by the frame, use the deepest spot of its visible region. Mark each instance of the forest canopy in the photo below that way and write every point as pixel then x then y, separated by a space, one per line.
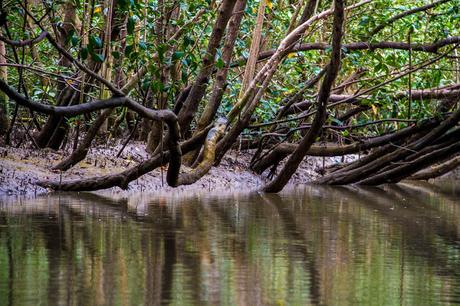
pixel 195 79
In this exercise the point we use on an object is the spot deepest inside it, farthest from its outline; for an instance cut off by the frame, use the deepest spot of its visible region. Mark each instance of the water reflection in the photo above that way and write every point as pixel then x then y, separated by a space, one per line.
pixel 397 245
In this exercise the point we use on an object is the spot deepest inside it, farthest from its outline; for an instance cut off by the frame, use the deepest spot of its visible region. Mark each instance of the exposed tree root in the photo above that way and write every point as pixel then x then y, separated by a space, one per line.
pixel 82 150
pixel 388 157
pixel 392 167
pixel 283 150
pixel 209 152
pixel 163 115
pixel 397 174
pixel 122 179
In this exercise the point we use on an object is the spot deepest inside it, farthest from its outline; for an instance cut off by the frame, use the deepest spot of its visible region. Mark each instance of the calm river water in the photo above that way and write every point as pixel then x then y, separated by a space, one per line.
pixel 397 245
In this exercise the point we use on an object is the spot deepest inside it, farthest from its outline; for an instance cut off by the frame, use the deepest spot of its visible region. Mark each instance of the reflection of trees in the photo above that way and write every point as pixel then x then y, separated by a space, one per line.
pixel 415 214
pixel 11 262
pixel 301 247
pixel 420 227
pixel 237 249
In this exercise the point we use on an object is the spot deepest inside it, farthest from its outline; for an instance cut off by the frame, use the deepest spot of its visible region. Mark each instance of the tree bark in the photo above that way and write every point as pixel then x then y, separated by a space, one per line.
pixel 438 170
pixel 209 152
pixel 220 82
pixel 221 75
pixel 368 170
pixel 161 115
pixel 123 179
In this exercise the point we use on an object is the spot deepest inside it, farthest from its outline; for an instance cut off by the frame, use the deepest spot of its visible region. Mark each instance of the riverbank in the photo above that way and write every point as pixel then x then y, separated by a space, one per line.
pixel 21 168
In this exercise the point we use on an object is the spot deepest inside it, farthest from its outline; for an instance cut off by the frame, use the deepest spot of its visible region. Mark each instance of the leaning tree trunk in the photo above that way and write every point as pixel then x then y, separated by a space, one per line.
pixel 332 71
pixel 246 105
pixel 209 151
pixel 55 129
pixel 281 151
pixel 82 149
pixel 123 179
pixel 198 88
pixel 4 120
pixel 373 171
pixel 397 174
pixel 220 83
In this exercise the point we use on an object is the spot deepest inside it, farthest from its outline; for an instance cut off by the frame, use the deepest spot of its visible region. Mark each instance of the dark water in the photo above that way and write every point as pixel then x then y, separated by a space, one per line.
pixel 311 245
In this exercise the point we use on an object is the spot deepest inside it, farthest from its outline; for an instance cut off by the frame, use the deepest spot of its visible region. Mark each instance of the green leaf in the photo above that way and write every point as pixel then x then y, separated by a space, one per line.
pixel 128 50
pixel 157 86
pixel 177 55
pixel 116 54
pixel 336 121
pixel 131 24
pixel 146 84
pixel 161 51
pixel 99 58
pixel 74 40
pixel 220 63
pixel 134 55
pixel 84 53
pixel 95 41
pixel 188 41
pixel 143 45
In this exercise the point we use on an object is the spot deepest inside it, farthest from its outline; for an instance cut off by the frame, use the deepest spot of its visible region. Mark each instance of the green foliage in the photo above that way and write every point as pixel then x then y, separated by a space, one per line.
pixel 146 28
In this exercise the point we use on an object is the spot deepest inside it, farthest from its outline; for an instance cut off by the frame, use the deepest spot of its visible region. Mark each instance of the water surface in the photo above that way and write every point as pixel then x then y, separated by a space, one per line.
pixel 397 245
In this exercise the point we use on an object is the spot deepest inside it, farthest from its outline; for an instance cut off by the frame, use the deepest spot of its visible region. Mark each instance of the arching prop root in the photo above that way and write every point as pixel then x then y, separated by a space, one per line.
pixel 403 160
pixel 283 150
pixel 123 179
pixel 208 154
pixel 166 116
pixel 82 150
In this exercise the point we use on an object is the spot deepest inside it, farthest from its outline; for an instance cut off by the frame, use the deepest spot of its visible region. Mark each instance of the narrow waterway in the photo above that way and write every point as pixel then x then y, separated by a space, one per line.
pixel 397 245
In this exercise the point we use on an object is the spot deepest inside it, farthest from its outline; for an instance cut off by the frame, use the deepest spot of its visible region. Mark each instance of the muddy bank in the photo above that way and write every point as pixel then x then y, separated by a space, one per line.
pixel 21 168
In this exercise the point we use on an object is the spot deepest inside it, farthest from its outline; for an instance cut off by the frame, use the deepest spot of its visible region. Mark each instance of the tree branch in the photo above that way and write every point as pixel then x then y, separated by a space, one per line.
pixel 160 115
pixel 23 43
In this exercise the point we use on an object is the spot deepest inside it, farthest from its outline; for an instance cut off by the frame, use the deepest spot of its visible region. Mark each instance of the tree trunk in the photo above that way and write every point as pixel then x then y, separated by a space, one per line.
pixel 55 129
pixel 218 89
pixel 332 70
pixel 197 91
pixel 4 120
